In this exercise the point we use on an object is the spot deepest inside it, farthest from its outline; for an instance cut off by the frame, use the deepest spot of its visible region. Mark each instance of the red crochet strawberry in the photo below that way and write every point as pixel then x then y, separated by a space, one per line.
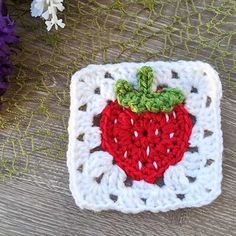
pixel 145 132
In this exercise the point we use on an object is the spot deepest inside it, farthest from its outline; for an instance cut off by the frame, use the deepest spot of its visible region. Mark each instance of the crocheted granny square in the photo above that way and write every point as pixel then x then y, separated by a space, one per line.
pixel 145 136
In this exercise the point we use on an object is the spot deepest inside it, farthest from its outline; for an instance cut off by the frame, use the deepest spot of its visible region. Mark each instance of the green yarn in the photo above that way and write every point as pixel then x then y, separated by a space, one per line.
pixel 144 99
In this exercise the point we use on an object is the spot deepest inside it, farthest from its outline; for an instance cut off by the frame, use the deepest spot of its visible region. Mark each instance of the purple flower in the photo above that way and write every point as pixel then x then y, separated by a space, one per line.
pixel 7 39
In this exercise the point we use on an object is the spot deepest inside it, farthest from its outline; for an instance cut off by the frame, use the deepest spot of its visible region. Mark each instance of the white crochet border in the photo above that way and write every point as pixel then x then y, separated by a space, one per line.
pixel 97 196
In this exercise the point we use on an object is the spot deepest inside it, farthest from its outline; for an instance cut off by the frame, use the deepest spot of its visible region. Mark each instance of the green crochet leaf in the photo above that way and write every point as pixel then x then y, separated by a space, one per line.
pixel 144 99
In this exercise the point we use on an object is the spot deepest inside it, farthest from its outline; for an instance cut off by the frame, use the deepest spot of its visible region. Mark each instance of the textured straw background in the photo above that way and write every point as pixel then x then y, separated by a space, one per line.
pixel 34 194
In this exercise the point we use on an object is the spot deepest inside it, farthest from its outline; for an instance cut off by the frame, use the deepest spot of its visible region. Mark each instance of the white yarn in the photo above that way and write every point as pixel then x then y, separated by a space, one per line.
pixel 191 179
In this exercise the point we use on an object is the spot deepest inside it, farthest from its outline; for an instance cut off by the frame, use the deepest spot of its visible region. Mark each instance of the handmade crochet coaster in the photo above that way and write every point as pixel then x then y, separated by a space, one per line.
pixel 145 136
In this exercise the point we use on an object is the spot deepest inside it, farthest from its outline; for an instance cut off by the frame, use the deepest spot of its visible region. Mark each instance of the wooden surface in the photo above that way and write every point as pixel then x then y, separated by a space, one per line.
pixel 39 202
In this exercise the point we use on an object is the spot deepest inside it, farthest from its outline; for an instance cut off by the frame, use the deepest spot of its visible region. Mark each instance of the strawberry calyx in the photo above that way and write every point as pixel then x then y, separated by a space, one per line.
pixel 143 99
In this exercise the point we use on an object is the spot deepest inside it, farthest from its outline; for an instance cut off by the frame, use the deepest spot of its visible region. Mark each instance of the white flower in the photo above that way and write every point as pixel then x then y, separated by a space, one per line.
pixel 38 7
pixel 47 9
pixel 57 23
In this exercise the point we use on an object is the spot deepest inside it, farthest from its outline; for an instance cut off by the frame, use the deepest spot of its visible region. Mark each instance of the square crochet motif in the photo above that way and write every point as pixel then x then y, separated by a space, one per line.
pixel 145 136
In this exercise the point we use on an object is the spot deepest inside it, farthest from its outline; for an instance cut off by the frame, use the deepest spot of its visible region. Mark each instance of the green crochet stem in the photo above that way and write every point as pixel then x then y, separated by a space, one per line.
pixel 144 99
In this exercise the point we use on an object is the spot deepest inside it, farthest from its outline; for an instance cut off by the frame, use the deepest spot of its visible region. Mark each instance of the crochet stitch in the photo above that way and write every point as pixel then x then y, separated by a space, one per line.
pixel 144 146
pixel 102 138
pixel 144 99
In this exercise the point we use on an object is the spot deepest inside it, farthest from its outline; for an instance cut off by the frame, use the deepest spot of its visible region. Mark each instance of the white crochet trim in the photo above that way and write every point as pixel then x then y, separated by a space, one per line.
pixel 193 182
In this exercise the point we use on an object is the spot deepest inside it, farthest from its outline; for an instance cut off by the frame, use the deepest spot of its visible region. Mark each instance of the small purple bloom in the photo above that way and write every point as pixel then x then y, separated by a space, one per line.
pixel 7 39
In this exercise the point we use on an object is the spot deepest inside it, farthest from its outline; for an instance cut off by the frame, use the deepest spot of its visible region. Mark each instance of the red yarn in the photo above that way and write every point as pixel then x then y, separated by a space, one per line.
pixel 142 143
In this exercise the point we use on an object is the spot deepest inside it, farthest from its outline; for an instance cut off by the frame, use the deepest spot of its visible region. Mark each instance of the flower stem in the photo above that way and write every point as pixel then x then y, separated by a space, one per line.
pixel 145 78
